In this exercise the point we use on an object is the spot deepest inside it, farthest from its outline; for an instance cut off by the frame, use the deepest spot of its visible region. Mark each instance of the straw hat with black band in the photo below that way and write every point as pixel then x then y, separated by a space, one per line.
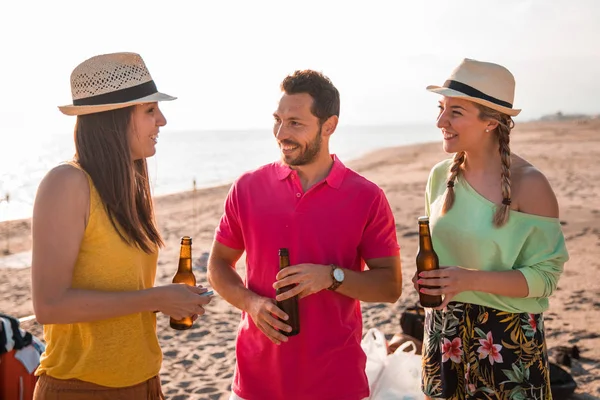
pixel 111 81
pixel 484 83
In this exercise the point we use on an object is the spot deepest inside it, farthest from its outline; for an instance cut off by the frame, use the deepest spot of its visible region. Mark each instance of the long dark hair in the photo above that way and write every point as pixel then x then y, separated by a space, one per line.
pixel 102 150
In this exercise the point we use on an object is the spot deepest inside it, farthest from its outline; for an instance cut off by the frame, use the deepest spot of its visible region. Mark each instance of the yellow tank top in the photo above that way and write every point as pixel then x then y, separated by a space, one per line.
pixel 115 352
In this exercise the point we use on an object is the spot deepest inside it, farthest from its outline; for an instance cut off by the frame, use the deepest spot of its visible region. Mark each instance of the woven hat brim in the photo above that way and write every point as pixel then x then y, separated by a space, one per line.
pixel 513 112
pixel 83 110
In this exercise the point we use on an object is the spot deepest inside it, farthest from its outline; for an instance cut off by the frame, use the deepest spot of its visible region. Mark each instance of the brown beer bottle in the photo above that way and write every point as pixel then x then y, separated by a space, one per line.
pixel 184 275
pixel 289 306
pixel 427 260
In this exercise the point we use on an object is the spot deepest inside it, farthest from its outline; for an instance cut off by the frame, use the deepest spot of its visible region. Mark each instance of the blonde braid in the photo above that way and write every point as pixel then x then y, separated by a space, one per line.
pixel 503 210
pixel 505 125
pixel 459 159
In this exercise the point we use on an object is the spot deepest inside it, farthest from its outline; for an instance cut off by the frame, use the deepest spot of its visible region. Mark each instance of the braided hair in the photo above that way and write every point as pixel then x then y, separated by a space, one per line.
pixel 505 125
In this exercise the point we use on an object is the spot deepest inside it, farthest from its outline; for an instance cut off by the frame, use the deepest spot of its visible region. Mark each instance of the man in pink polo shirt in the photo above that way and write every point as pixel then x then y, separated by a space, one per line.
pixel 333 221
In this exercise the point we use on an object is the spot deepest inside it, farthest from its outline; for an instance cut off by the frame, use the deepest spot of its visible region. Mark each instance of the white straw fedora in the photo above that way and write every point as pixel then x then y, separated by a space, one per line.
pixel 111 81
pixel 484 83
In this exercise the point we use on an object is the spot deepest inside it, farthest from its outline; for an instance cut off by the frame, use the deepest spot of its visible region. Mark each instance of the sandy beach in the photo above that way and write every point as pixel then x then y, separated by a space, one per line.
pixel 199 363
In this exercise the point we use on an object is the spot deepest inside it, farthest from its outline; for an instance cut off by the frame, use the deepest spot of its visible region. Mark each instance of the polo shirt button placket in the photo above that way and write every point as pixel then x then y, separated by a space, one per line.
pixel 298 195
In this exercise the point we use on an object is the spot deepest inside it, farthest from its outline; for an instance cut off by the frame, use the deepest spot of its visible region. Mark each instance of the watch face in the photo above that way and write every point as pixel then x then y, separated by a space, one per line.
pixel 338 274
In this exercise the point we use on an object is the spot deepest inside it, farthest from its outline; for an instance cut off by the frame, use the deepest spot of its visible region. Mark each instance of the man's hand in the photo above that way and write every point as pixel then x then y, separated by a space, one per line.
pixel 265 314
pixel 308 278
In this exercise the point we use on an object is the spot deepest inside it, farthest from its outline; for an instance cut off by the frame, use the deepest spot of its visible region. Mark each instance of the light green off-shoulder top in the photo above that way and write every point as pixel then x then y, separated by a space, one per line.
pixel 466 236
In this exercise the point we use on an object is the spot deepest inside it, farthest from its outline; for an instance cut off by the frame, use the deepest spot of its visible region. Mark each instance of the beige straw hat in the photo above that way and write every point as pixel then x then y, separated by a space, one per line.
pixel 111 81
pixel 484 83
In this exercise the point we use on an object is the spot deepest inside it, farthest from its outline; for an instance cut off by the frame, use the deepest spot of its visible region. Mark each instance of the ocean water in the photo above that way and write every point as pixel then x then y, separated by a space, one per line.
pixel 209 157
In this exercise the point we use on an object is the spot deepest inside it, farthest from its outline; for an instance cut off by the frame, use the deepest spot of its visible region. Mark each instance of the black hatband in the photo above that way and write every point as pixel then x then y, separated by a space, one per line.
pixel 119 96
pixel 471 91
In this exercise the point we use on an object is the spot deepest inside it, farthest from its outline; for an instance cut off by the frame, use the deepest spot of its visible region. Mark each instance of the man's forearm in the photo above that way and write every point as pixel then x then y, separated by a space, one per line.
pixel 226 281
pixel 373 285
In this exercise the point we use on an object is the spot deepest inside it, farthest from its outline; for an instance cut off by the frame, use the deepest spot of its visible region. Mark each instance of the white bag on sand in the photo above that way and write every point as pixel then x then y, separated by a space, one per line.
pixel 375 347
pixel 401 376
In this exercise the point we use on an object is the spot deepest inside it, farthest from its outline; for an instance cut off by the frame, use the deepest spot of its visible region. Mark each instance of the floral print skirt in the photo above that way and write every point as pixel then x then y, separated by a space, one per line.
pixel 476 352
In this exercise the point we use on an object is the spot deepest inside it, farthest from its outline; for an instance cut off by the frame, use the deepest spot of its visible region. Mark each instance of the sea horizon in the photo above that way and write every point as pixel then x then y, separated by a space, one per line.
pixel 209 157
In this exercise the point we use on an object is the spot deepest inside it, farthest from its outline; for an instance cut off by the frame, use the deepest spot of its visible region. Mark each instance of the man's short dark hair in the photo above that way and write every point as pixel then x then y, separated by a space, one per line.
pixel 326 98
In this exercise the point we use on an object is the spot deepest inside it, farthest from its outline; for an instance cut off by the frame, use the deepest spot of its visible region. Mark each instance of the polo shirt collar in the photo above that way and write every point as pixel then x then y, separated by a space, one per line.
pixel 333 179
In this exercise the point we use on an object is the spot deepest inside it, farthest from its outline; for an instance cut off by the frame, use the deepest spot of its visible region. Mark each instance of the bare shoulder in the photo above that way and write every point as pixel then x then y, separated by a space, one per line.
pixel 65 174
pixel 63 185
pixel 533 191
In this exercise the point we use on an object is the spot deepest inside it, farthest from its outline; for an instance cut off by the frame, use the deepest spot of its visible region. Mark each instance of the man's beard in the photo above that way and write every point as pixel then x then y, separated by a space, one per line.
pixel 310 153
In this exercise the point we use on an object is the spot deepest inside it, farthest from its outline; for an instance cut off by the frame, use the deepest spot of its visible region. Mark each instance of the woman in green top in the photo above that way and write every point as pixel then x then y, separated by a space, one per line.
pixel 495 228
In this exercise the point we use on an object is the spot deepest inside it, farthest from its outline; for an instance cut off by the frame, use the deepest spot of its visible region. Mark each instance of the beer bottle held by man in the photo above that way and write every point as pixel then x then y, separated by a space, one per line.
pixel 427 260
pixel 289 306
pixel 184 275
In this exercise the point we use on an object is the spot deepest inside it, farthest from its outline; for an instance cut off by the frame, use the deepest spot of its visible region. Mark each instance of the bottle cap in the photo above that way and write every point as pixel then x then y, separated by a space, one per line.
pixel 424 218
pixel 284 252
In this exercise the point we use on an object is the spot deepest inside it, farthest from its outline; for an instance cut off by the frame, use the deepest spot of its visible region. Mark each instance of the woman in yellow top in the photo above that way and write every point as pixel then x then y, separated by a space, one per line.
pixel 95 243
pixel 495 228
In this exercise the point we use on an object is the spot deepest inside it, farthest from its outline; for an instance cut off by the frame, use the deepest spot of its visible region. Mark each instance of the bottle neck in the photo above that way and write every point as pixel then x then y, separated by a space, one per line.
pixel 185 259
pixel 284 261
pixel 425 237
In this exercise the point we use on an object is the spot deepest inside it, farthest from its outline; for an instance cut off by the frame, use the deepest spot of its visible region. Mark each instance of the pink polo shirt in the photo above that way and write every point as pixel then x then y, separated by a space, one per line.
pixel 343 220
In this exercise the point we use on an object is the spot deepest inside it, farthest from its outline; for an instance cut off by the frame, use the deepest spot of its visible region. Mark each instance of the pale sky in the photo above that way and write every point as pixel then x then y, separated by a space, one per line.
pixel 224 60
